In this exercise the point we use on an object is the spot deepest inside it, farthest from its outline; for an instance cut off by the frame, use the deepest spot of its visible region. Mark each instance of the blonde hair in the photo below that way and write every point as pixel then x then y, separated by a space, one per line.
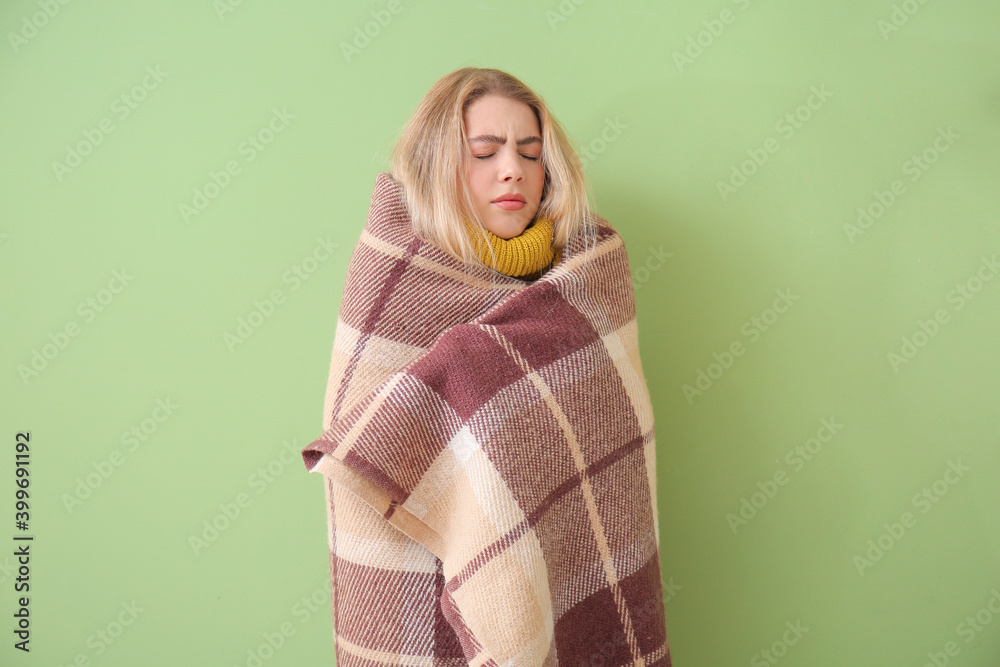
pixel 430 158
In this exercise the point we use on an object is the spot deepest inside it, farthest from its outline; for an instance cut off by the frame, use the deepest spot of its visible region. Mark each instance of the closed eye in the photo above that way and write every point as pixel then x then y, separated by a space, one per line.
pixel 526 157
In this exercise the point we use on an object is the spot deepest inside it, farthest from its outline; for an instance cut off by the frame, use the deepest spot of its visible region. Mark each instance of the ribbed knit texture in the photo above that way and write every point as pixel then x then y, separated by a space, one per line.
pixel 527 253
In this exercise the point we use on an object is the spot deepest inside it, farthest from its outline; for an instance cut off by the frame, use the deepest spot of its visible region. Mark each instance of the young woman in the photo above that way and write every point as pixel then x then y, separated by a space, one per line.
pixel 488 444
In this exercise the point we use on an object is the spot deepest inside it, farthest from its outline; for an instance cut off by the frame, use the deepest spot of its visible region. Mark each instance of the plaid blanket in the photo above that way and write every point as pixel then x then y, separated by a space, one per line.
pixel 489 459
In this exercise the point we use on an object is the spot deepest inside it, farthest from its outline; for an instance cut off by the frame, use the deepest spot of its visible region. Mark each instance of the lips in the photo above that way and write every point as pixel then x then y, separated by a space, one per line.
pixel 510 202
pixel 510 197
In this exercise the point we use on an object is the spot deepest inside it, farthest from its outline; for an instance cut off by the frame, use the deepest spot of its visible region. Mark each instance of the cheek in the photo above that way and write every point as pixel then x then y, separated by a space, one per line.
pixel 538 179
pixel 480 187
pixel 475 181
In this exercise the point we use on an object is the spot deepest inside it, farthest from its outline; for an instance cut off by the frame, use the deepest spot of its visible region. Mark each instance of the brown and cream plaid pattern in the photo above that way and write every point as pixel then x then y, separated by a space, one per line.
pixel 489 460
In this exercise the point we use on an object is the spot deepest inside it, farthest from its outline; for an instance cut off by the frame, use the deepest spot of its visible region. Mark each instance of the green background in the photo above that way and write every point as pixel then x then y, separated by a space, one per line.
pixel 659 134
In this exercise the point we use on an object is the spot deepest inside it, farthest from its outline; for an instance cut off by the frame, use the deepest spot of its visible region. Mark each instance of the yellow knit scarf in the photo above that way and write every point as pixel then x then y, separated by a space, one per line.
pixel 524 255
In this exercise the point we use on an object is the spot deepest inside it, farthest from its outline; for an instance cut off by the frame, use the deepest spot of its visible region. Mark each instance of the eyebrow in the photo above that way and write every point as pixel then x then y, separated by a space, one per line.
pixel 494 139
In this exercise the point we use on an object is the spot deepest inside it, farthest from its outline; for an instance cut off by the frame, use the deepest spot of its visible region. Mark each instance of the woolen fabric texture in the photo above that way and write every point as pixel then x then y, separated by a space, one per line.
pixel 489 459
pixel 522 256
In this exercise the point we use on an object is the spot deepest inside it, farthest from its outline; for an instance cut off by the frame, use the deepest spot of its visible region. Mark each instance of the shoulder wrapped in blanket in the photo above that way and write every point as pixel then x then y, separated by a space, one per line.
pixel 489 459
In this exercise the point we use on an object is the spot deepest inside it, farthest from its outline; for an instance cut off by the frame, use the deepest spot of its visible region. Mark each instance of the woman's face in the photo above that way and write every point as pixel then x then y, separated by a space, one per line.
pixel 505 145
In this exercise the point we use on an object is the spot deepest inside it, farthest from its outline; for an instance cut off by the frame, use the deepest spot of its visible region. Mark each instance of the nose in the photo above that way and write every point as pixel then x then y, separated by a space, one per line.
pixel 510 168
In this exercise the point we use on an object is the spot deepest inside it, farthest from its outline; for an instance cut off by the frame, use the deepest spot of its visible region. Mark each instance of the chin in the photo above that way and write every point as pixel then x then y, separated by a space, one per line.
pixel 520 230
pixel 508 230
